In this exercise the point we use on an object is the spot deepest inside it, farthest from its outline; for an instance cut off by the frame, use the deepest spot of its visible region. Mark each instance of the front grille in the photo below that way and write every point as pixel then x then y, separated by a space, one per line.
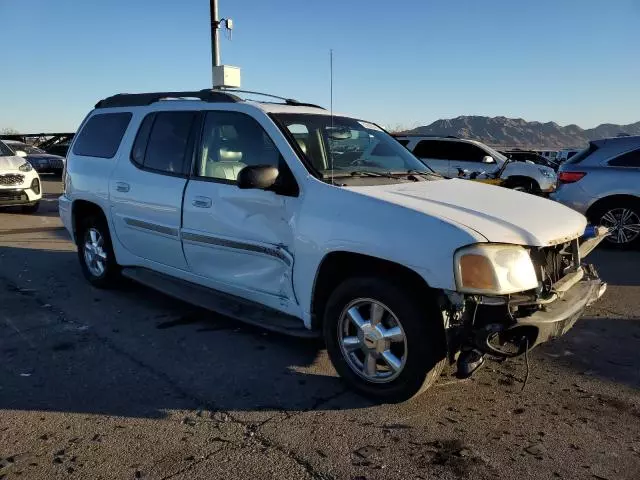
pixel 56 163
pixel 10 179
pixel 552 263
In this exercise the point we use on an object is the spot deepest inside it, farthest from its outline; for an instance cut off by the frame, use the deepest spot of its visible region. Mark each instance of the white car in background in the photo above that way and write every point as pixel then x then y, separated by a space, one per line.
pixel 457 157
pixel 19 182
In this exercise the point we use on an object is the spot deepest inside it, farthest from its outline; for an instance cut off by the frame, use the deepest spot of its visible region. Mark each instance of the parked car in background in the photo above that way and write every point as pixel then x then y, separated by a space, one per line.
pixel 566 154
pixel 286 216
pixel 453 157
pixel 529 156
pixel 603 182
pixel 42 161
pixel 19 182
pixel 549 154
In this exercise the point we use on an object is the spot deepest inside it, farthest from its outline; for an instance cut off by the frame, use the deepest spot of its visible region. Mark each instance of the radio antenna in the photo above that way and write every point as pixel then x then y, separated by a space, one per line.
pixel 331 110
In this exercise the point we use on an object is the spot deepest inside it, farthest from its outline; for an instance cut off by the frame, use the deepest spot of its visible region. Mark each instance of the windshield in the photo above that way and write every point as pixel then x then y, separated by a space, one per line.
pixel 28 149
pixel 347 146
pixel 5 151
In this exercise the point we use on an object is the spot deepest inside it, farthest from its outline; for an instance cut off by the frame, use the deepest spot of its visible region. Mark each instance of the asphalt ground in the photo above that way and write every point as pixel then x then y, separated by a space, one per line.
pixel 132 384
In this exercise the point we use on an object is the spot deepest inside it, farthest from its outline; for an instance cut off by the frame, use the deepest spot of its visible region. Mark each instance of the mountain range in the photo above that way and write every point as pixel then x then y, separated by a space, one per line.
pixel 516 132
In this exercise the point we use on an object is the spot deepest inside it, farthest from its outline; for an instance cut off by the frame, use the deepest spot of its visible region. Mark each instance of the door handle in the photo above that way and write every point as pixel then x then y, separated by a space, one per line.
pixel 122 187
pixel 201 202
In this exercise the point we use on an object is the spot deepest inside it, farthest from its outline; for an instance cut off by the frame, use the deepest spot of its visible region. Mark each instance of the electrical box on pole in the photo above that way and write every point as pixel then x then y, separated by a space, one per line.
pixel 224 76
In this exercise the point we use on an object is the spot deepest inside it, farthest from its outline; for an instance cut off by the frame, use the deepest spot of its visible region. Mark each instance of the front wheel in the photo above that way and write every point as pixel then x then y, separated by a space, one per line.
pixel 31 208
pixel 383 340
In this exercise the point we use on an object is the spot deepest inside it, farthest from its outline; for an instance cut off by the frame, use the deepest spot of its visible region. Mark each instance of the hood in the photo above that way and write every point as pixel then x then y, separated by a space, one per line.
pixel 497 213
pixel 10 163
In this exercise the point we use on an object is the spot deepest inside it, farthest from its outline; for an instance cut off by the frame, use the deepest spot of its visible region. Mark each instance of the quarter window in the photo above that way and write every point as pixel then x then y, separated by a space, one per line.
pixel 629 159
pixel 434 149
pixel 230 142
pixel 102 134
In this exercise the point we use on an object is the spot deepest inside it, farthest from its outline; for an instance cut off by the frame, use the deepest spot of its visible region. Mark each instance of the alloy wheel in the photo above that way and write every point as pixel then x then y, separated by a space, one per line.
pixel 95 256
pixel 372 340
pixel 623 225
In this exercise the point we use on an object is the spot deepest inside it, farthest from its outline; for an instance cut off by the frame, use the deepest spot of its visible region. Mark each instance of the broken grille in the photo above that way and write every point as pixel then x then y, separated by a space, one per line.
pixel 553 263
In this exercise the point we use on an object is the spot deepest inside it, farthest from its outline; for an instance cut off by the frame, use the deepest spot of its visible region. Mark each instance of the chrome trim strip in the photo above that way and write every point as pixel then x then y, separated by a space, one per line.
pixel 276 252
pixel 132 222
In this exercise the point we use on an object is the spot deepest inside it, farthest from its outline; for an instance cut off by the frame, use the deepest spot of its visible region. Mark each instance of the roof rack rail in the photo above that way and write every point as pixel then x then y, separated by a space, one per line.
pixel 141 99
pixel 287 101
pixel 428 135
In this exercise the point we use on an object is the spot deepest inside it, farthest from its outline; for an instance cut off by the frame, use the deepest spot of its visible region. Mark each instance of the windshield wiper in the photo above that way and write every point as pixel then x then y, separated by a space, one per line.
pixel 417 172
pixel 362 173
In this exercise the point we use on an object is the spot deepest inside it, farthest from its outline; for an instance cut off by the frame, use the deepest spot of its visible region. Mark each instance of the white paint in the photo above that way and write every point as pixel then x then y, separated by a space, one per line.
pixel 419 225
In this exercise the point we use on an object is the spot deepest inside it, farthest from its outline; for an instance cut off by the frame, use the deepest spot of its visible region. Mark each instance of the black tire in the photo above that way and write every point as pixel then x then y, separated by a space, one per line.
pixel 421 322
pixel 527 186
pixel 599 214
pixel 111 274
pixel 31 208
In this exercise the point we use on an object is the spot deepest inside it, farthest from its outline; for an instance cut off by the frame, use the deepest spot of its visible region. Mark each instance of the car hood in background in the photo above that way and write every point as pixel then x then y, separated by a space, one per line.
pixel 497 213
pixel 10 164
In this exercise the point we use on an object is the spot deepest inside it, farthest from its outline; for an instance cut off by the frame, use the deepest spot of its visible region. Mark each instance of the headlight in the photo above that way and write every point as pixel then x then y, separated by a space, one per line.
pixel 25 167
pixel 494 269
pixel 547 173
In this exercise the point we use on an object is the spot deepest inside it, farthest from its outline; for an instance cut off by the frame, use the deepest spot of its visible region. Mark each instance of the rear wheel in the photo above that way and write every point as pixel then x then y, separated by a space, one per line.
pixel 382 340
pixel 622 218
pixel 95 253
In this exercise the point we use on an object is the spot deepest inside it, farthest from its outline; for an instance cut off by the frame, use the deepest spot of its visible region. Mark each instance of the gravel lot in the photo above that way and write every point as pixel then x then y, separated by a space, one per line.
pixel 132 384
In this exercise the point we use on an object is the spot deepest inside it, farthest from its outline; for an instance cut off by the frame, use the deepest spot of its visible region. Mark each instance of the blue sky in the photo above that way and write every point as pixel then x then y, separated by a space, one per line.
pixel 406 62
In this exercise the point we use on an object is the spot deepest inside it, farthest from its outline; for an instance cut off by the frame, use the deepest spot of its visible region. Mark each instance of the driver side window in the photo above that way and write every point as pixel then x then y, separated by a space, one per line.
pixel 230 142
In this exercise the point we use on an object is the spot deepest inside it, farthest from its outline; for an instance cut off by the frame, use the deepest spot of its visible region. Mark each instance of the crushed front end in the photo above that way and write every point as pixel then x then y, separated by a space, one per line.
pixel 508 325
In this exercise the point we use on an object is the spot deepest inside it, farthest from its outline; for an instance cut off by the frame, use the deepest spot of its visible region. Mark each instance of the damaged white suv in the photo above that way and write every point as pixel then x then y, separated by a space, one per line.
pixel 288 217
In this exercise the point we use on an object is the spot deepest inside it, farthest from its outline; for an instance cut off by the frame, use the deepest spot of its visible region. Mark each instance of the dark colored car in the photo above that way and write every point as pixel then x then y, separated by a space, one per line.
pixel 40 160
pixel 530 156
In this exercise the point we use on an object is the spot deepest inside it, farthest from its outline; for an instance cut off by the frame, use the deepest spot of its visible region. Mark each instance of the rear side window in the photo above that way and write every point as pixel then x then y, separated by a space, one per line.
pixel 629 159
pixel 435 149
pixel 102 134
pixel 164 141
pixel 580 156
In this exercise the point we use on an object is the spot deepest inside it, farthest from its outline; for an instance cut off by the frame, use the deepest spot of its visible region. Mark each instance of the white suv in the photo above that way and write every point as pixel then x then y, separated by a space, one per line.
pixel 19 182
pixel 287 217
pixel 453 157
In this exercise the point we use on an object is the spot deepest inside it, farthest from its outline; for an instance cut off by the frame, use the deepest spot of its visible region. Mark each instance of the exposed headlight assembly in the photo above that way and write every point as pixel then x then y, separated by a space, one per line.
pixel 493 269
pixel 25 167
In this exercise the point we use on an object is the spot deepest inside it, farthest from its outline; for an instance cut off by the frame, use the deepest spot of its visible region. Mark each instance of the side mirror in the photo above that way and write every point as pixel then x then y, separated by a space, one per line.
pixel 257 176
pixel 488 159
pixel 21 153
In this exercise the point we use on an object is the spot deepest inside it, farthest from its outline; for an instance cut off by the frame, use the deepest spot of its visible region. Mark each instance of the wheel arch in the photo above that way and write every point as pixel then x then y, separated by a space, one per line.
pixel 82 209
pixel 337 266
pixel 611 199
pixel 513 180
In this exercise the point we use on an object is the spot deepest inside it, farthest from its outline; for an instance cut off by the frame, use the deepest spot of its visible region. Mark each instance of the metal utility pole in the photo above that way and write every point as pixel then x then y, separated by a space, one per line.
pixel 215 26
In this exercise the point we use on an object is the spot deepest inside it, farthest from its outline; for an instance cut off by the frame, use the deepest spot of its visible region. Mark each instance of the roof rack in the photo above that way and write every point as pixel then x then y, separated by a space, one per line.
pixel 423 135
pixel 141 99
pixel 287 101
pixel 206 95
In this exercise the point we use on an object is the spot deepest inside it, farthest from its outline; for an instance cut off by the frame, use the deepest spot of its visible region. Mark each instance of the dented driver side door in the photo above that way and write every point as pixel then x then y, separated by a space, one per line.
pixel 239 240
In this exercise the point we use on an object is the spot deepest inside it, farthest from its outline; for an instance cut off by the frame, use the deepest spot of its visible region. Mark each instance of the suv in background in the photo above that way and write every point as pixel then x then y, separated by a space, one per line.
pixel 42 161
pixel 603 182
pixel 456 157
pixel 19 182
pixel 288 217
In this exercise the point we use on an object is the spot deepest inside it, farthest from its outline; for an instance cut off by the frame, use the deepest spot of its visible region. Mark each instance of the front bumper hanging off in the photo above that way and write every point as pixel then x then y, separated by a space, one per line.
pixel 556 318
